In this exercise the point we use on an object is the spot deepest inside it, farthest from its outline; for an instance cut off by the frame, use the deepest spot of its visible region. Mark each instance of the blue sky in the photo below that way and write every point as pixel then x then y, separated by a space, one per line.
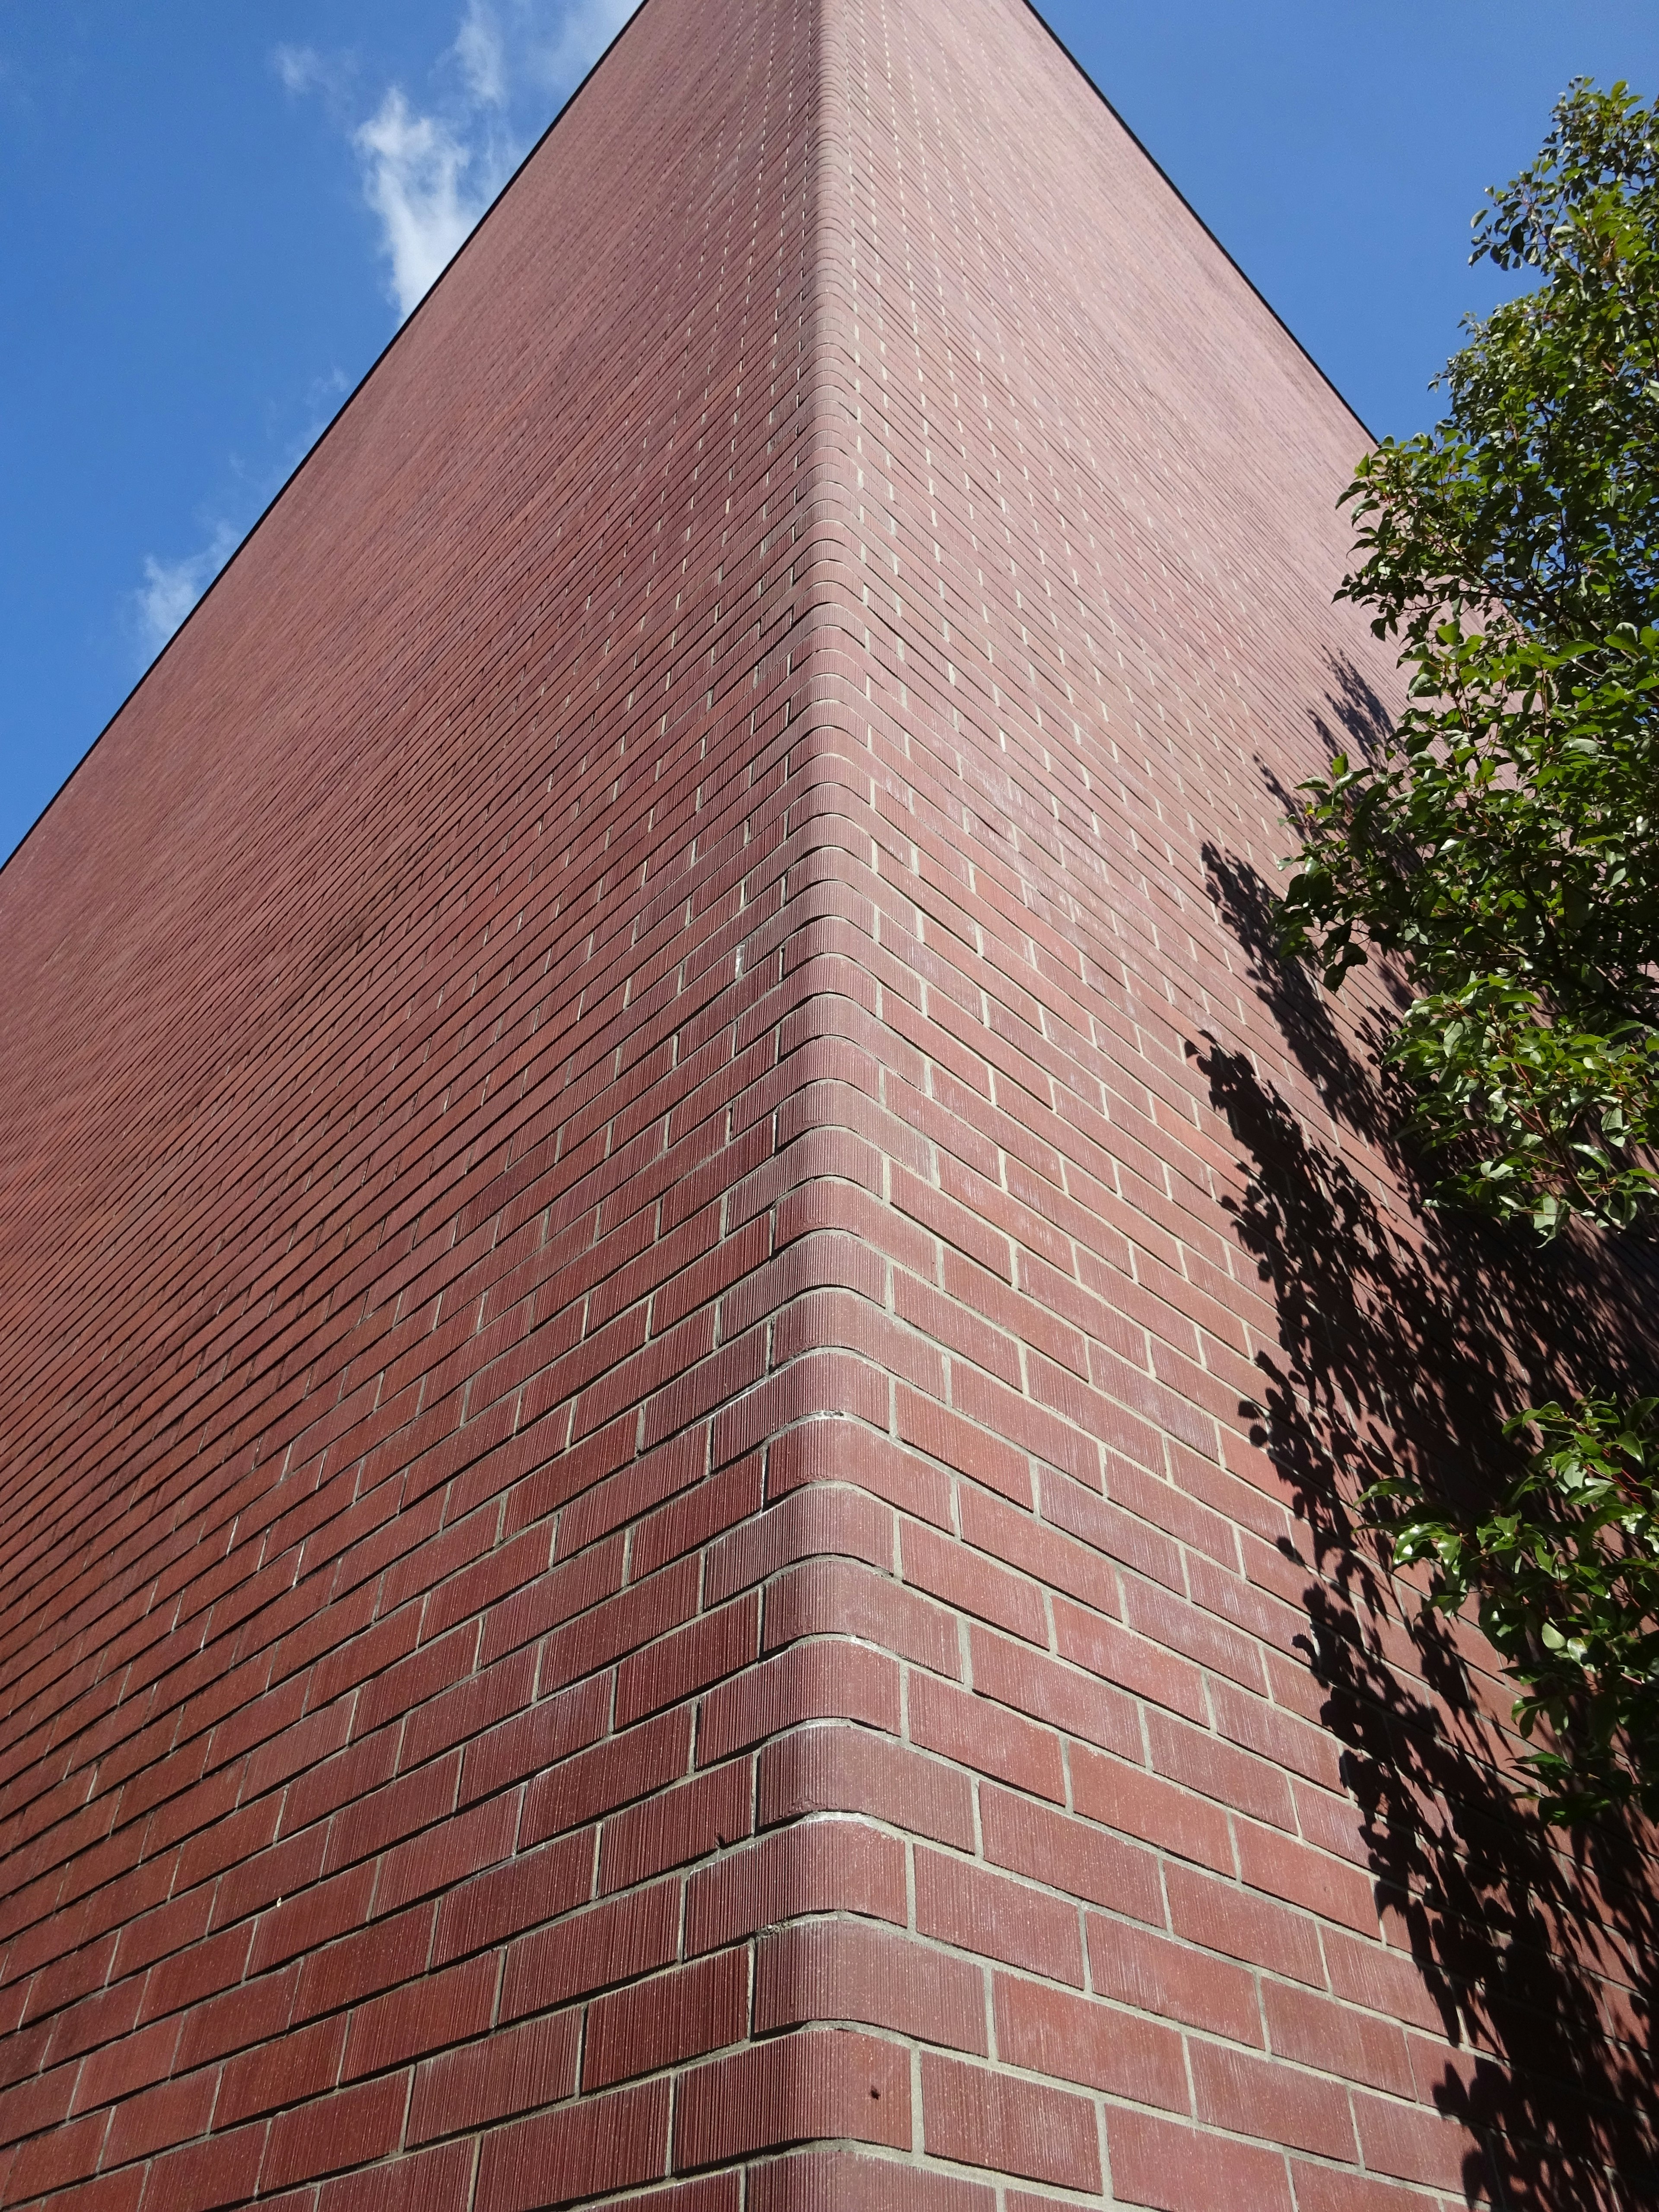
pixel 213 216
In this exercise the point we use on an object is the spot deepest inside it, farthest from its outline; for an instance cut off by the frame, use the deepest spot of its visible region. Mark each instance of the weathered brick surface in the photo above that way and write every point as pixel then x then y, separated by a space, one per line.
pixel 651 1169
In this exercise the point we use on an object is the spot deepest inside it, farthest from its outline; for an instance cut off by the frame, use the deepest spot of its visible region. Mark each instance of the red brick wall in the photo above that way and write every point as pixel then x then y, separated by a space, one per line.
pixel 679 1292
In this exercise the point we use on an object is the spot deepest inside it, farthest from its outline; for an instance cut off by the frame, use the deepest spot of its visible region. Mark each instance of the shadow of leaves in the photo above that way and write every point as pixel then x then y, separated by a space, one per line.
pixel 1407 1335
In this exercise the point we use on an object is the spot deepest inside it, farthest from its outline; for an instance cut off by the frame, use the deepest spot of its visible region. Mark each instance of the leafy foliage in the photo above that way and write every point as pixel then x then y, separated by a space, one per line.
pixel 1567 1578
pixel 1505 841
pixel 1503 845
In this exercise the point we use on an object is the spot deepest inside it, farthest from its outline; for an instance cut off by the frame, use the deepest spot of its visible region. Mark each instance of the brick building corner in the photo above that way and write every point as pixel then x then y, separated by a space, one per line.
pixel 684 1304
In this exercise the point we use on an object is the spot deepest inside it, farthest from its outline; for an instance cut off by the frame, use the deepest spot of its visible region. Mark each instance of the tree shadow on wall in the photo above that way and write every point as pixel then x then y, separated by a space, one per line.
pixel 1365 722
pixel 1417 1333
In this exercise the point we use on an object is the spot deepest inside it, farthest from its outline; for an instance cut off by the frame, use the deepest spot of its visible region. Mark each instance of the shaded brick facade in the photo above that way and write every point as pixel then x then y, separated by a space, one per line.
pixel 678 1292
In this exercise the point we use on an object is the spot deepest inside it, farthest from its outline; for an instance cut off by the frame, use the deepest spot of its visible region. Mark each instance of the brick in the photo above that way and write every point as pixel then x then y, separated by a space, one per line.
pixel 1256 2096
pixel 683 2014
pixel 846 1451
pixel 533 1886
pixel 816 1522
pixel 1181 2169
pixel 823 1865
pixel 979 2118
pixel 42 2102
pixel 632 1335
pixel 1284 1737
pixel 990 1914
pixel 538 1737
pixel 281 2073
pixel 712 1506
pixel 620 1621
pixel 1107 1527
pixel 981 1736
pixel 836 1596
pixel 708 1650
pixel 1139 1804
pixel 1076 2039
pixel 844 1770
pixel 436 1666
pixel 303 1745
pixel 515 2070
pixel 224 2170
pixel 431 2181
pixel 337 1782
pixel 1336 2038
pixel 973 1585
pixel 1054 1560
pixel 1322 2189
pixel 842 2181
pixel 1133 1967
pixel 62 2157
pixel 853 1971
pixel 421 2016
pixel 835 2082
pixel 1222 1918
pixel 189 1976
pixel 1198 1761
pixel 235 1838
pixel 253 2013
pixel 608 1943
pixel 393 1951
pixel 1289 1869
pixel 273 1875
pixel 464 1713
pixel 154 1934
pixel 134 2062
pixel 160 2118
pixel 586 2149
pixel 677 1826
pixel 824 1680
pixel 1381 1979
pixel 1127 1661
pixel 1406 2143
pixel 446 1854
pixel 1169 1620
pixel 111 2192
pixel 598 1780
pixel 385 1817
pixel 624 1497
pixel 1070 1856
pixel 712 2192
pixel 350 2128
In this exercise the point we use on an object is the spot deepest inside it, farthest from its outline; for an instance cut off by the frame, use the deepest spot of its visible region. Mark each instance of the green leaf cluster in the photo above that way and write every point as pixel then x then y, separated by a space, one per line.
pixel 1504 841
pixel 1502 845
pixel 1566 1577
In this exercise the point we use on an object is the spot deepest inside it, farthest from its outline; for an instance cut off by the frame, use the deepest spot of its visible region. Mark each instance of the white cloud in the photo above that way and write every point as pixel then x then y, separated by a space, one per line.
pixel 413 168
pixel 171 588
pixel 481 52
pixel 584 29
pixel 301 67
pixel 428 174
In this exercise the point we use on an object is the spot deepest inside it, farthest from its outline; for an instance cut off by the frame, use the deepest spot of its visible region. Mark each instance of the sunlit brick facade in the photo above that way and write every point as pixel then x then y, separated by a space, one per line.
pixel 679 1290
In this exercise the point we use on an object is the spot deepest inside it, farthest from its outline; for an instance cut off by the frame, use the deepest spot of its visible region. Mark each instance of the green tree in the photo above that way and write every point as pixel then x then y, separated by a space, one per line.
pixel 1503 846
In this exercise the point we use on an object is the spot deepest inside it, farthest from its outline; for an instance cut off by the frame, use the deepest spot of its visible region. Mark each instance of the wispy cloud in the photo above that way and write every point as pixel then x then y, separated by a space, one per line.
pixel 429 173
pixel 481 51
pixel 415 180
pixel 171 588
pixel 301 67
pixel 562 56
